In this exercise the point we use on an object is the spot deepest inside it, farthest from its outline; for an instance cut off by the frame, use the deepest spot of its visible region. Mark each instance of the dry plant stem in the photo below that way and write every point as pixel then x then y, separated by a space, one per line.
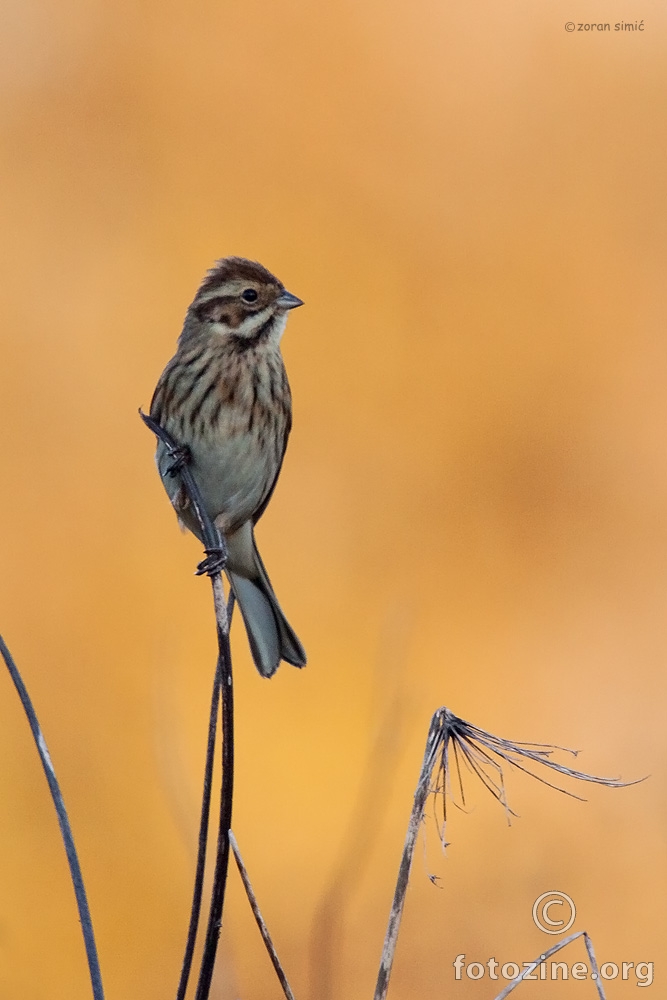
pixel 203 826
pixel 226 795
pixel 421 795
pixel 202 841
pixel 210 534
pixel 263 929
pixel 65 829
pixel 594 965
pixel 195 910
pixel 478 749
pixel 213 542
pixel 552 951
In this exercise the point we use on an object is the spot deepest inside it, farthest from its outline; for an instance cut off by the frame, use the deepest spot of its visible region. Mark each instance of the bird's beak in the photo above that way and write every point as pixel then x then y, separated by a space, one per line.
pixel 288 301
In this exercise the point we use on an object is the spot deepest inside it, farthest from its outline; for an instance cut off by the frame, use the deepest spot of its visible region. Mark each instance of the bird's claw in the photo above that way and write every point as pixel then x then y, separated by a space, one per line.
pixel 181 456
pixel 215 562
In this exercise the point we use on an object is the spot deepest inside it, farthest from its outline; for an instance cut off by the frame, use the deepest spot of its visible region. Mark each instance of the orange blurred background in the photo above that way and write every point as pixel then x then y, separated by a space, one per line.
pixel 473 509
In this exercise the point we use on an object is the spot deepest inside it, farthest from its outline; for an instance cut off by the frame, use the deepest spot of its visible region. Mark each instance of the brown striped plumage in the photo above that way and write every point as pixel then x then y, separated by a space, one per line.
pixel 225 396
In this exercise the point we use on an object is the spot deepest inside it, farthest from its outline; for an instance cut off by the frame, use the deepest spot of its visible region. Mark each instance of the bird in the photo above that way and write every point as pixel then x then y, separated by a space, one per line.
pixel 225 399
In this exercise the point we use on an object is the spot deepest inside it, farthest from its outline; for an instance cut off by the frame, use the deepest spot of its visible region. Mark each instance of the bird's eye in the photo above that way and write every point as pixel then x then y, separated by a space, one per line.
pixel 249 295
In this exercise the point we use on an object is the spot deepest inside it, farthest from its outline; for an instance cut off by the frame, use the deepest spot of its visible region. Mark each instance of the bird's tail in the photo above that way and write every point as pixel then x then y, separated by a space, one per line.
pixel 271 636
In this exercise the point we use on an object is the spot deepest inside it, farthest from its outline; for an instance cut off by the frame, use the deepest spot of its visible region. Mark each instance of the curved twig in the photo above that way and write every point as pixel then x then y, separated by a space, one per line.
pixel 65 829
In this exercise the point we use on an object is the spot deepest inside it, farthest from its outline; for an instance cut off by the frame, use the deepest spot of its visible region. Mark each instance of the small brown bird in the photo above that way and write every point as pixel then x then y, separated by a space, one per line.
pixel 224 396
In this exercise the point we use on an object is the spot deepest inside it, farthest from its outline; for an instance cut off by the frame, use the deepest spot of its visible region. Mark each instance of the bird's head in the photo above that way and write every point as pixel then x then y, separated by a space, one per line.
pixel 241 299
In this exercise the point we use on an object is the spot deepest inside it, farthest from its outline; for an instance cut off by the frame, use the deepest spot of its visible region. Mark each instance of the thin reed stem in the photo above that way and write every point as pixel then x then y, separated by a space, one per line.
pixel 530 967
pixel 259 919
pixel 226 796
pixel 433 741
pixel 63 820
pixel 214 545
pixel 479 750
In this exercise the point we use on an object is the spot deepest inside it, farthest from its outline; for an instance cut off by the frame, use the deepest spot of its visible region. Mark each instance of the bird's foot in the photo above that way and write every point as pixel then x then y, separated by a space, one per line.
pixel 181 456
pixel 215 562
